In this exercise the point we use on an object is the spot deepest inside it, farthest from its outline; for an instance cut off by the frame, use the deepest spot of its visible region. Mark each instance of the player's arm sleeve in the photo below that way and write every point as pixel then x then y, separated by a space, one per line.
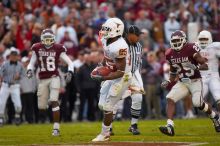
pixel 122 53
pixel 217 49
pixel 196 54
pixel 32 61
pixel 68 61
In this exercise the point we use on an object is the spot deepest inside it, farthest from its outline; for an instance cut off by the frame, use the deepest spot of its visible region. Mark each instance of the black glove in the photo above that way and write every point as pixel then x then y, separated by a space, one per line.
pixel 165 83
pixel 69 76
pixel 29 73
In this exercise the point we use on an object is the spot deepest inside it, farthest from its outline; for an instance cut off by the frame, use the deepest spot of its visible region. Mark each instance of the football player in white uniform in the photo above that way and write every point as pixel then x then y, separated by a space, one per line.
pixel 116 55
pixel 210 77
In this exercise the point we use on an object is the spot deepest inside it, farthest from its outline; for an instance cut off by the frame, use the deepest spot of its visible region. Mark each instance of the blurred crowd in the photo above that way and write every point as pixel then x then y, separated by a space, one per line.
pixel 76 24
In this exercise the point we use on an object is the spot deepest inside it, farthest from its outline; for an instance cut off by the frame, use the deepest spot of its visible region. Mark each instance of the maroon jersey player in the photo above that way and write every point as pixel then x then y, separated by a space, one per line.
pixel 185 62
pixel 46 55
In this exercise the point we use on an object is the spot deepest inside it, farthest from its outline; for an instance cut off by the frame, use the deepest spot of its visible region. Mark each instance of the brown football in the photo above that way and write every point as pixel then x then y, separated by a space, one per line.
pixel 102 71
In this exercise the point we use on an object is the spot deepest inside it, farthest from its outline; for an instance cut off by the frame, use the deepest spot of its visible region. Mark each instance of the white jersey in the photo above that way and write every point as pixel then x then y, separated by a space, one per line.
pixel 212 53
pixel 117 49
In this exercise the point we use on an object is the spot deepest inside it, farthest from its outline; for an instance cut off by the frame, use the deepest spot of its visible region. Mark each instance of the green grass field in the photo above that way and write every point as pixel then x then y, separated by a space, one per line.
pixel 196 130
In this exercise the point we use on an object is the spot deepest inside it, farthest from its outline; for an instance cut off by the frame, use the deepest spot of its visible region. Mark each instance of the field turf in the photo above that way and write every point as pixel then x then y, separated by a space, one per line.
pixel 196 130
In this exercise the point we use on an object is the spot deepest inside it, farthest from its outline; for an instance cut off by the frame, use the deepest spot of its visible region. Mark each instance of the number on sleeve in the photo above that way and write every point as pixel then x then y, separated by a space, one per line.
pixel 196 48
pixel 122 52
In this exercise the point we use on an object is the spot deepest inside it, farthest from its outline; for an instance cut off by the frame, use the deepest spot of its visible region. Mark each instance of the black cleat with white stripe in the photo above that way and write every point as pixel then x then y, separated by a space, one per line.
pixel 216 123
pixel 134 129
pixel 167 130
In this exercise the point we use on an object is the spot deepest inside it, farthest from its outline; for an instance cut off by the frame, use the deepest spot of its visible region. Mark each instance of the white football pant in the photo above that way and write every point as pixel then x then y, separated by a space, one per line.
pixel 211 83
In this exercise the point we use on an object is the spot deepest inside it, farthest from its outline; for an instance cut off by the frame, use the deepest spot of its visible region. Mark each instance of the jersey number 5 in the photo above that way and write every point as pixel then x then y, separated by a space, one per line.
pixel 50 64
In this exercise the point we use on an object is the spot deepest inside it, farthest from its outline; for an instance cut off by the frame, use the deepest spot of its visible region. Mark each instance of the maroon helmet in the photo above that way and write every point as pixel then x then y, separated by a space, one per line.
pixel 47 37
pixel 178 39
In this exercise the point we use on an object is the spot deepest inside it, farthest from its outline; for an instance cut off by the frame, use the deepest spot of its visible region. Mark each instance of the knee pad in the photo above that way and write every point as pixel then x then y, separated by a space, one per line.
pixel 107 107
pixel 55 109
pixel 204 107
pixel 136 101
pixel 42 106
pixel 100 106
pixel 18 109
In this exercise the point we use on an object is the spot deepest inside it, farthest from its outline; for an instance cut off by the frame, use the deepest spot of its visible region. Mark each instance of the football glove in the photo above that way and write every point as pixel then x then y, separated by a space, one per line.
pixel 165 83
pixel 69 76
pixel 29 73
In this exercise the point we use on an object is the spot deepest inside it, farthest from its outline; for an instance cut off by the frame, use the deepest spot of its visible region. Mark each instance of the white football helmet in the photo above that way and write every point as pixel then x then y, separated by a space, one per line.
pixel 47 37
pixel 204 38
pixel 113 27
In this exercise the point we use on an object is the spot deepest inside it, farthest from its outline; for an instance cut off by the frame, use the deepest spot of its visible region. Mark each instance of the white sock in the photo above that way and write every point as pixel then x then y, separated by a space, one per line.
pixel 56 125
pixel 170 122
pixel 212 115
pixel 105 129
pixel 134 121
pixel 17 115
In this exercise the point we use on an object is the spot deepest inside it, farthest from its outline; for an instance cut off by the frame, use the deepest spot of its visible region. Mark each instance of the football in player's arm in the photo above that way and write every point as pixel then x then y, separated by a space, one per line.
pixel 116 82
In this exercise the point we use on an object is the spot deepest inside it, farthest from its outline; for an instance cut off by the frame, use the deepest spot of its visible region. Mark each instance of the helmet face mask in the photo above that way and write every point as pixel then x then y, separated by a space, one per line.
pixel 113 27
pixel 178 39
pixel 47 38
pixel 204 39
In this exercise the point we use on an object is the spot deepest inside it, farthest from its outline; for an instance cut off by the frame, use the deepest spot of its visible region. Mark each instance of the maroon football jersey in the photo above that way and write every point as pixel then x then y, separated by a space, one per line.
pixel 48 59
pixel 178 58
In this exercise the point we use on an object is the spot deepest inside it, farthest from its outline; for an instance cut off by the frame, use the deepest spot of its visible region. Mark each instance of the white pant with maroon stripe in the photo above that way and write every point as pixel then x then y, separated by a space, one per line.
pixel 14 91
pixel 183 89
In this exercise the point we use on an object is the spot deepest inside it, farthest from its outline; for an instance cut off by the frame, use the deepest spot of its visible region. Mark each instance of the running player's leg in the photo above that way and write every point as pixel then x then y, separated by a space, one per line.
pixel 43 96
pixel 53 99
pixel 115 92
pixel 196 90
pixel 178 92
pixel 214 87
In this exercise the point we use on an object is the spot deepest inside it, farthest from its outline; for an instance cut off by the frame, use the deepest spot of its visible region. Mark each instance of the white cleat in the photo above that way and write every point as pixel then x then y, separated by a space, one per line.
pixel 56 132
pixel 101 138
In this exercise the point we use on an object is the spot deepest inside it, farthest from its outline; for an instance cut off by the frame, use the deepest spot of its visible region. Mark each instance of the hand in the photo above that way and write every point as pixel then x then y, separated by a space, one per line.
pixel 17 76
pixel 29 73
pixel 190 65
pixel 97 77
pixel 69 76
pixel 165 83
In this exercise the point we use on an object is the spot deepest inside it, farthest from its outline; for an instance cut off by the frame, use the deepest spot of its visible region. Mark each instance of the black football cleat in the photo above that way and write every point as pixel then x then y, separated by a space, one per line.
pixel 216 123
pixel 111 132
pixel 134 129
pixel 167 130
pixel 17 121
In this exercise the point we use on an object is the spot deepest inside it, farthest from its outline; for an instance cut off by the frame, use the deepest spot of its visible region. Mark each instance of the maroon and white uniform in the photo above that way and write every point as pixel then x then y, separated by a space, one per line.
pixel 182 57
pixel 47 60
pixel 189 79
